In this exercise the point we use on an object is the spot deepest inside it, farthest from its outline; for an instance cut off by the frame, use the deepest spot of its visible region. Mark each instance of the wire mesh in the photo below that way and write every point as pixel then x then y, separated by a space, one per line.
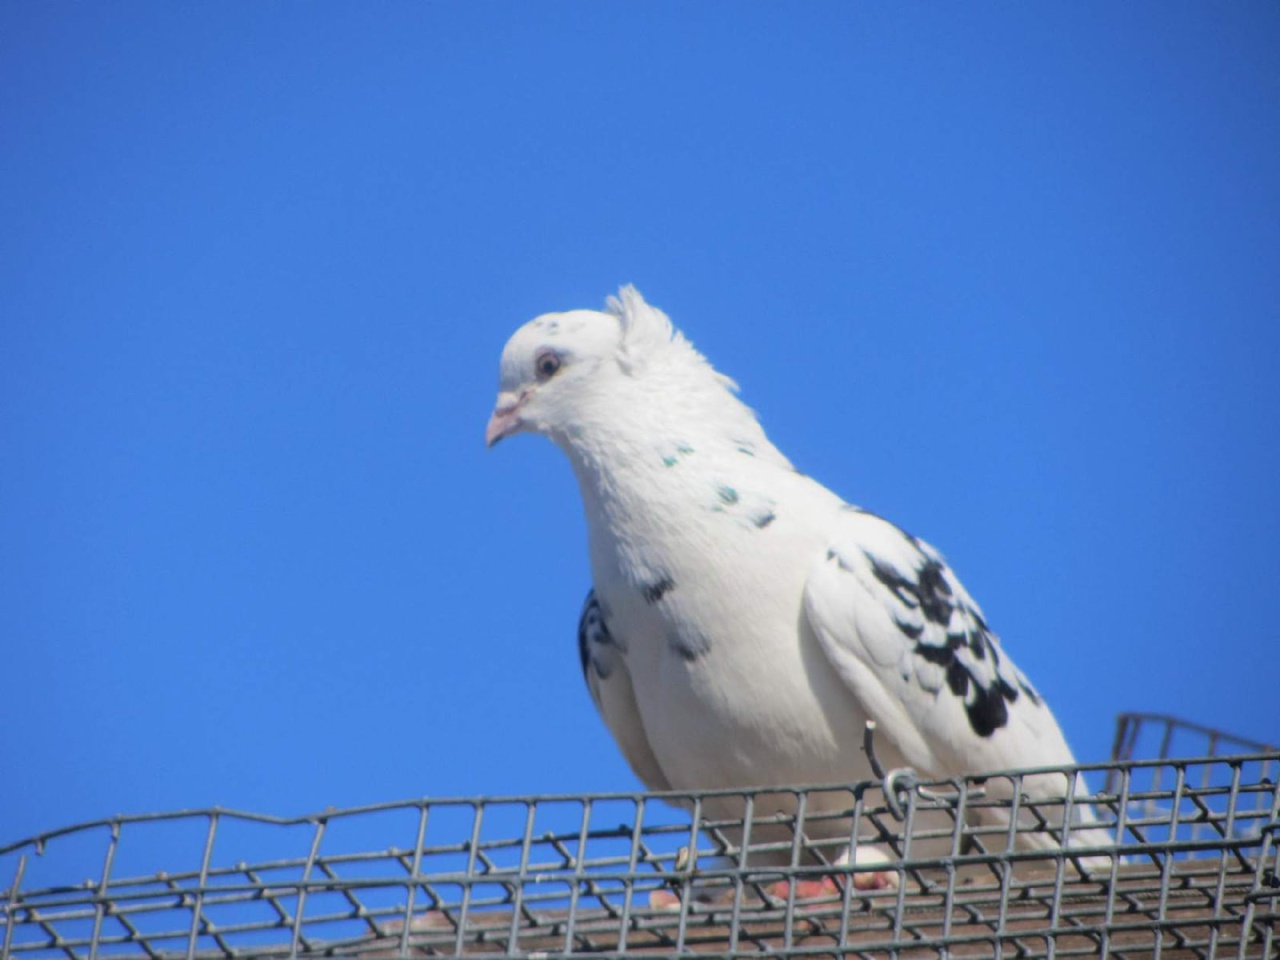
pixel 1159 736
pixel 1193 871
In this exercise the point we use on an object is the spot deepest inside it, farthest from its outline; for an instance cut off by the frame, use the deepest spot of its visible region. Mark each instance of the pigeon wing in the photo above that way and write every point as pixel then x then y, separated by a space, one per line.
pixel 609 681
pixel 909 641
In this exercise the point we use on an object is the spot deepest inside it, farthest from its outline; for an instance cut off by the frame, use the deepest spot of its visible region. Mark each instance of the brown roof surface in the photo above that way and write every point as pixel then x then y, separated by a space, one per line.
pixel 1199 909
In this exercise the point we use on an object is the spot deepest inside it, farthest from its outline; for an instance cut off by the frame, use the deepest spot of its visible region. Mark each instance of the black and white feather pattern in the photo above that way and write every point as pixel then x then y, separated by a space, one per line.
pixel 596 651
pixel 905 635
pixel 609 682
pixel 947 644
pixel 744 621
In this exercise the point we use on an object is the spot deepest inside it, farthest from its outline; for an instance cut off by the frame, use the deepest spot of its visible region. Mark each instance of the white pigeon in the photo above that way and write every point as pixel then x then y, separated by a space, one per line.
pixel 746 622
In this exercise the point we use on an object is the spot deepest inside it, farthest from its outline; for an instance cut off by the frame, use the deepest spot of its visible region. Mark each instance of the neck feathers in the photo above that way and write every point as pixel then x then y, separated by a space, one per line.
pixel 649 339
pixel 662 393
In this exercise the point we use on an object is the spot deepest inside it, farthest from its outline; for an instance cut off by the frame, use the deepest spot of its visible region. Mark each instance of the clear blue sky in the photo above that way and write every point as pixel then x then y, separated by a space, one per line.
pixel 1007 274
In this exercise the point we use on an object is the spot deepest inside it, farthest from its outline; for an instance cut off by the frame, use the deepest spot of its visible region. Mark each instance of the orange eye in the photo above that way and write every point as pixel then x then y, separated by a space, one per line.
pixel 546 364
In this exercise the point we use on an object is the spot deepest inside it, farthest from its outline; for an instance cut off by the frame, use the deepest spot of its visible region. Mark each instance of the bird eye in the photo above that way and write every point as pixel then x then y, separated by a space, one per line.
pixel 546 364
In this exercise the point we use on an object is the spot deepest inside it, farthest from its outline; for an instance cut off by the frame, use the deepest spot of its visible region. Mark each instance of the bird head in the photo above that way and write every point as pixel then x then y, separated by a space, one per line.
pixel 561 372
pixel 550 367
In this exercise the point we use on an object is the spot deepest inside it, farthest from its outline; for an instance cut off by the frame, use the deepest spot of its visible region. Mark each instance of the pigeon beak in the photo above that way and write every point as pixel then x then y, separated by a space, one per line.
pixel 506 418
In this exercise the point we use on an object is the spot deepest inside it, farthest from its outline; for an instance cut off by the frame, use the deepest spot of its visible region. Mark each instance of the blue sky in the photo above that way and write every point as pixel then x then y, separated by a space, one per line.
pixel 1007 274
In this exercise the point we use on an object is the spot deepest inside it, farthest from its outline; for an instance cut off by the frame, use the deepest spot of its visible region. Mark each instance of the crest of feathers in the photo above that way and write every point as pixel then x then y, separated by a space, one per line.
pixel 647 334
pixel 650 347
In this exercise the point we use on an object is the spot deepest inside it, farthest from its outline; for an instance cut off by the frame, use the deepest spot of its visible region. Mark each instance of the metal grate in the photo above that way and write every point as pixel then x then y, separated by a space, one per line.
pixel 1195 872
pixel 1157 736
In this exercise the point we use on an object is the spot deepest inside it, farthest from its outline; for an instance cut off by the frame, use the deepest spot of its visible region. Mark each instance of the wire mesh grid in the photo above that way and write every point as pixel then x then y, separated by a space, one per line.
pixel 976 870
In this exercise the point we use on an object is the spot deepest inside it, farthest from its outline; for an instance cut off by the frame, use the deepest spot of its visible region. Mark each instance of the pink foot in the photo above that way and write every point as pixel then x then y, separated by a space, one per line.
pixel 663 900
pixel 868 880
pixel 823 888
pixel 875 880
pixel 827 887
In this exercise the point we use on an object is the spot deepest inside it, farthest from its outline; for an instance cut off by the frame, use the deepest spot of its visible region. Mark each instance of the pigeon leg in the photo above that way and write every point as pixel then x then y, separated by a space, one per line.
pixel 830 886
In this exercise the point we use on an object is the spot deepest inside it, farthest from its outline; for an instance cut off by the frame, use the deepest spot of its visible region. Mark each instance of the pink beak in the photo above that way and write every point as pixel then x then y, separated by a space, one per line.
pixel 506 418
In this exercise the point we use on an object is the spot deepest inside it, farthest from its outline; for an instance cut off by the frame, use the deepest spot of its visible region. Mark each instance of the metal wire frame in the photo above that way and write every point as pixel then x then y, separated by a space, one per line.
pixel 1159 736
pixel 1194 872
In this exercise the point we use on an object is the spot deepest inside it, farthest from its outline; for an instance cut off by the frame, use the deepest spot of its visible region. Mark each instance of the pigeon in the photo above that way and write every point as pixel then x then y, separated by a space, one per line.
pixel 745 622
